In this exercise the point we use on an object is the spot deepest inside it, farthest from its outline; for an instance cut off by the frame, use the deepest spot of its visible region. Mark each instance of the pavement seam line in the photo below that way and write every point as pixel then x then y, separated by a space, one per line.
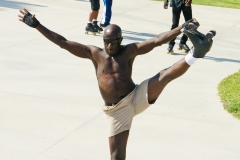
pixel 68 135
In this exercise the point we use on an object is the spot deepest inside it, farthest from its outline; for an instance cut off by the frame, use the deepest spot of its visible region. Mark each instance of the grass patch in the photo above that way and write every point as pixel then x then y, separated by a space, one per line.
pixel 229 92
pixel 217 3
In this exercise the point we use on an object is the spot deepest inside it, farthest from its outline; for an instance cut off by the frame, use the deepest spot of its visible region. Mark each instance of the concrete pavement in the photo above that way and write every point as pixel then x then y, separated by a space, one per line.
pixel 50 105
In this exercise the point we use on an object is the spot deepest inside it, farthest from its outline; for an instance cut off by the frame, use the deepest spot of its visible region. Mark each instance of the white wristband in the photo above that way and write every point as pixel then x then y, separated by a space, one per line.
pixel 189 57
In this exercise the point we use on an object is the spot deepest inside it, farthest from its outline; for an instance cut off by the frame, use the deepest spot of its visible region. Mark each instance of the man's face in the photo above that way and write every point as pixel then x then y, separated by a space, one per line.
pixel 112 44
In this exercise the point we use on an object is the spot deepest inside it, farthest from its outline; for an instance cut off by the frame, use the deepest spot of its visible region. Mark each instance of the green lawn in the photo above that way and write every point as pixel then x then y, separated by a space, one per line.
pixel 217 3
pixel 229 91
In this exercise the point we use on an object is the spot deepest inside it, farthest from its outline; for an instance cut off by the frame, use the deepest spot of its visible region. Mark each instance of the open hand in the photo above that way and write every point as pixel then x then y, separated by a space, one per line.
pixel 28 18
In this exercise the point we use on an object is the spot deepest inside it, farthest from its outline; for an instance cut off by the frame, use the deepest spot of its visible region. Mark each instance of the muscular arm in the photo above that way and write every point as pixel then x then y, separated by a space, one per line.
pixel 160 39
pixel 75 48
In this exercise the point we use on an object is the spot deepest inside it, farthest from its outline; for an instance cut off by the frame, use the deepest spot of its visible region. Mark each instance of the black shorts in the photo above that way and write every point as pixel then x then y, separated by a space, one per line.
pixel 95 4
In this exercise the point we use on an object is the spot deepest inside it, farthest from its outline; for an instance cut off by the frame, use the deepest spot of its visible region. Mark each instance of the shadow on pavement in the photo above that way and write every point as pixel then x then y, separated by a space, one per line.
pixel 145 36
pixel 139 34
pixel 16 5
pixel 213 58
pixel 222 59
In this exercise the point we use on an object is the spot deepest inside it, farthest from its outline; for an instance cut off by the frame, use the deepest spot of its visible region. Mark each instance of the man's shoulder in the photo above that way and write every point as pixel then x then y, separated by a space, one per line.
pixel 94 48
pixel 129 47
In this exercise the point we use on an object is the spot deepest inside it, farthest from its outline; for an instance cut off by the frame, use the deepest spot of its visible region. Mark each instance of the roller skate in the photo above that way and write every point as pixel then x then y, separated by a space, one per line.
pixel 201 43
pixel 89 28
pixel 183 46
pixel 170 48
pixel 210 35
pixel 96 27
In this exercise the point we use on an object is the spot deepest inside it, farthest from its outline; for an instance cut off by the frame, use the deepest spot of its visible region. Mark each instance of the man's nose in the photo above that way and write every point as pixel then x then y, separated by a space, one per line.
pixel 110 45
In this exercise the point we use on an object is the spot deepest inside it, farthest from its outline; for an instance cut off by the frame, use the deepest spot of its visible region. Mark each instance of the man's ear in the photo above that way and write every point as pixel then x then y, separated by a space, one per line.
pixel 121 40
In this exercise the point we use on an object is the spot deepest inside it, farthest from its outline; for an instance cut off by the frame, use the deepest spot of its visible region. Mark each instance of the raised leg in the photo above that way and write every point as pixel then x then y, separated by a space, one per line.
pixel 158 82
pixel 118 144
pixel 201 45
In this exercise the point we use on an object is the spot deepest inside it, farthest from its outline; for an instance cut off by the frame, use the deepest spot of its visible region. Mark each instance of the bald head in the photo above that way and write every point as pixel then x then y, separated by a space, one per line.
pixel 112 30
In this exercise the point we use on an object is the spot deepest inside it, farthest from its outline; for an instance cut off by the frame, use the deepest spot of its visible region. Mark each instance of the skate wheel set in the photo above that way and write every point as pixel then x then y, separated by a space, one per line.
pixel 93 28
pixel 170 52
pixel 192 28
pixel 94 33
pixel 185 52
pixel 184 47
pixel 210 35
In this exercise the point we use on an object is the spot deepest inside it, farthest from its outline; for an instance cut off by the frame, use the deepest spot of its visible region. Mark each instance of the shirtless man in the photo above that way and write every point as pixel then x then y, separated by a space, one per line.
pixel 113 64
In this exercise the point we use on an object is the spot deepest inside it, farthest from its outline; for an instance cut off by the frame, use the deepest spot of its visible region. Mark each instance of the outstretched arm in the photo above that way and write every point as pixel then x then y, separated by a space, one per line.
pixel 162 38
pixel 75 48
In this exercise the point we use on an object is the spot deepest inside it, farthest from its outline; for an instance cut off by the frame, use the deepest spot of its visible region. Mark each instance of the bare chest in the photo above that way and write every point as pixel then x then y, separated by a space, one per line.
pixel 113 66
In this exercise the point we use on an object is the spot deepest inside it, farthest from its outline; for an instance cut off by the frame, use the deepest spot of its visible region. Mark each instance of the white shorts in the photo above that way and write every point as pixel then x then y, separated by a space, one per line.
pixel 120 116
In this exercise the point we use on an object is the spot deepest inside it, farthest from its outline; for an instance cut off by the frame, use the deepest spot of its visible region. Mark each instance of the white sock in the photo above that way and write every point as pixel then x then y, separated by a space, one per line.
pixel 189 57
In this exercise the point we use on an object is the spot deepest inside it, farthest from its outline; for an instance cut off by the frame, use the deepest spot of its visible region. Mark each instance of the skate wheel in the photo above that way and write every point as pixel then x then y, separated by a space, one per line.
pixel 170 52
pixel 213 32
pixel 94 34
pixel 99 31
pixel 185 52
pixel 86 32
pixel 179 48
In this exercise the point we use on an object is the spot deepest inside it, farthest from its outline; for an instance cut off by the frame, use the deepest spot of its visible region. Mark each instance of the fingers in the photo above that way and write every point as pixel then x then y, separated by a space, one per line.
pixel 20 18
pixel 25 10
pixel 21 11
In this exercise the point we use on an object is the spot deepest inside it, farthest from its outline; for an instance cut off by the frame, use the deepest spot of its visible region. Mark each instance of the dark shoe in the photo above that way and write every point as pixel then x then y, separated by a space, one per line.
pixel 89 28
pixel 201 43
pixel 96 27
pixel 170 48
pixel 103 25
pixel 184 47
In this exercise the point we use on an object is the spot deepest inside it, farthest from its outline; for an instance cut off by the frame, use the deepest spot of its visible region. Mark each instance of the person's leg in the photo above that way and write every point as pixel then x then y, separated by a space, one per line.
pixel 95 11
pixel 201 45
pixel 92 16
pixel 107 13
pixel 175 21
pixel 187 13
pixel 118 144
pixel 95 5
pixel 158 82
